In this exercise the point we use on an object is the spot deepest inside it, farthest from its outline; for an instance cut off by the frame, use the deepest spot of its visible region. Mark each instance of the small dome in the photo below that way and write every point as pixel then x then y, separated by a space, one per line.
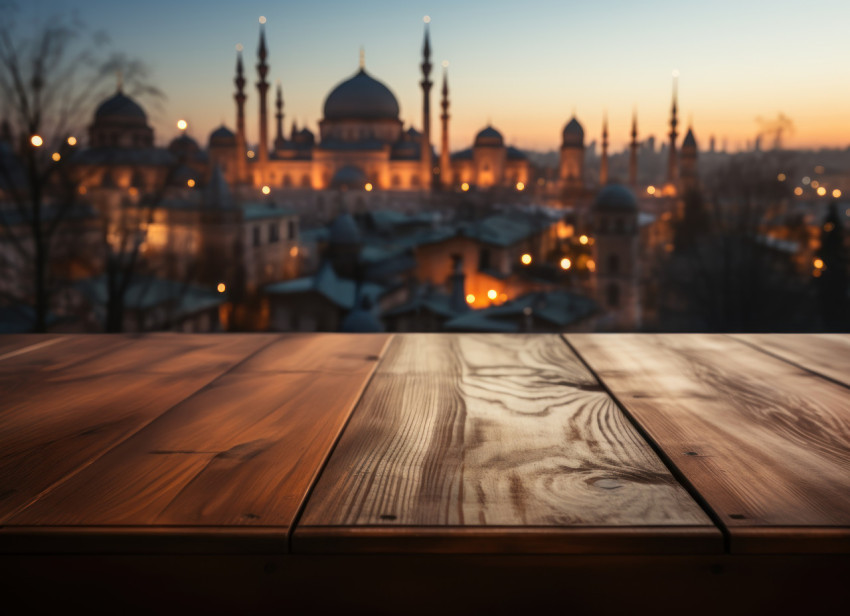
pixel 573 133
pixel 120 107
pixel 362 319
pixel 615 197
pixel 222 136
pixel 183 143
pixel 349 177
pixel 489 137
pixel 344 231
pixel 362 98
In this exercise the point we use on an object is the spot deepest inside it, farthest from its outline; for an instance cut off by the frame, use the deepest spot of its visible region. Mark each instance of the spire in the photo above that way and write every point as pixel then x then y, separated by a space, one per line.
pixel 425 156
pixel 672 159
pixel 119 79
pixel 362 58
pixel 603 168
pixel 633 152
pixel 294 130
pixel 445 159
pixel 263 88
pixel 279 138
pixel 239 97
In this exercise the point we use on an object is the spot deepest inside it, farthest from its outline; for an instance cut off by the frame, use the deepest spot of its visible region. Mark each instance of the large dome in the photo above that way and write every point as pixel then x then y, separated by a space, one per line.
pixel 615 198
pixel 362 98
pixel 489 137
pixel 120 107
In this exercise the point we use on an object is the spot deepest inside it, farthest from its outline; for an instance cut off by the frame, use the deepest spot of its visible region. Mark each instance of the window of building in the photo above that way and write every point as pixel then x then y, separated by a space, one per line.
pixel 396 181
pixel 274 233
pixel 414 180
pixel 484 259
pixel 613 265
pixel 305 181
pixel 256 231
pixel 618 225
pixel 287 180
pixel 290 230
pixel 612 296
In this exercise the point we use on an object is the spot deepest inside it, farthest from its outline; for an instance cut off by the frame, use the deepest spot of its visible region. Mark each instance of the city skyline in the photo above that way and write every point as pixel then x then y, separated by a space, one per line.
pixel 524 69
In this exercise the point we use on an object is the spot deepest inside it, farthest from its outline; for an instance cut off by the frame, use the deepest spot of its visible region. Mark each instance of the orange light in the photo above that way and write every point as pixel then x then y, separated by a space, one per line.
pixel 526 259
pixel 250 153
pixel 781 177
pixel 836 193
pixel 221 288
pixel 464 187
pixel 133 191
pixel 262 19
pixel 819 169
pixel 83 190
pixel 566 264
pixel 818 263
pixel 821 191
pixel 182 124
pixel 72 140
pixel 798 191
pixel 829 227
pixel 470 299
pixel 591 265
pixel 36 140
pixel 816 273
pixel 190 183
pixel 293 252
pixel 583 240
pixel 815 183
pixel 650 190
pixel 56 157
pixel 492 294
pixel 520 186
pixel 368 187
pixel 266 190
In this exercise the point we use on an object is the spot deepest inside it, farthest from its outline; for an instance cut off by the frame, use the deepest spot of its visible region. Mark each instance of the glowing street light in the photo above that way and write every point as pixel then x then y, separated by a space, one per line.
pixel 583 240
pixel 221 288
pixel 464 187
pixel 36 140
pixel 520 186
pixel 266 190
pixel 566 264
pixel 591 265
pixel 818 263
pixel 368 187
pixel 72 140
pixel 492 294
pixel 56 157
pixel 798 191
pixel 250 153
pixel 781 177
pixel 470 299
pixel 190 183
pixel 650 190
pixel 821 191
pixel 836 193
pixel 526 259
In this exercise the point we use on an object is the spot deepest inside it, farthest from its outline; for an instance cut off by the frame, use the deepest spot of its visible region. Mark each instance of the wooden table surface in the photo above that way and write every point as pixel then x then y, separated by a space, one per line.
pixel 323 446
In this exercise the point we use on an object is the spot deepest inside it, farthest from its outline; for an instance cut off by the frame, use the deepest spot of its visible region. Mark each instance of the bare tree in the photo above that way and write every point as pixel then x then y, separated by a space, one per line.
pixel 51 76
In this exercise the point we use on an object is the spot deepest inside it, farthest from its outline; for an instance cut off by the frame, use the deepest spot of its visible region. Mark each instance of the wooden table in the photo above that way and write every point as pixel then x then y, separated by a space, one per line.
pixel 423 473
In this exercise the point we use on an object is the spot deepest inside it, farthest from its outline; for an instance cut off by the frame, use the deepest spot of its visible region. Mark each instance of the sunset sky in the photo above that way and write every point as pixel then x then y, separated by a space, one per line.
pixel 523 66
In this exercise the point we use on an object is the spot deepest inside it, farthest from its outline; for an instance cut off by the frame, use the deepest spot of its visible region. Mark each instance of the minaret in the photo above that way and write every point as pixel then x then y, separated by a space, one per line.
pixel 672 160
pixel 263 88
pixel 241 147
pixel 603 167
pixel 279 139
pixel 427 171
pixel 633 153
pixel 445 160
pixel 294 131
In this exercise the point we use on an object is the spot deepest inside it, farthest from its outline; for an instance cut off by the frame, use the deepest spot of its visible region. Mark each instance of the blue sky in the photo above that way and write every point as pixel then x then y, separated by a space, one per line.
pixel 524 66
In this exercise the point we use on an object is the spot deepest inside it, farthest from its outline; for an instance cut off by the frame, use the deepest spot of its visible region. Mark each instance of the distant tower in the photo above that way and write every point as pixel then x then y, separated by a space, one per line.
pixel 672 160
pixel 241 147
pixel 603 165
pixel 426 83
pixel 263 88
pixel 688 179
pixel 615 252
pixel 633 153
pixel 571 172
pixel 279 141
pixel 445 160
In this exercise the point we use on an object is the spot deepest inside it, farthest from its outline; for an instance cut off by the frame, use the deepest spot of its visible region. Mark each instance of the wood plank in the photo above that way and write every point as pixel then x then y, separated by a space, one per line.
pixel 12 345
pixel 825 354
pixel 242 452
pixel 67 404
pixel 766 444
pixel 462 433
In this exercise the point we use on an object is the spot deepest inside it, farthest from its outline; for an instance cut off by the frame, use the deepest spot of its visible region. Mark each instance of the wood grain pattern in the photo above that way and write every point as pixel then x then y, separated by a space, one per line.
pixel 825 354
pixel 475 431
pixel 12 345
pixel 65 405
pixel 242 451
pixel 766 444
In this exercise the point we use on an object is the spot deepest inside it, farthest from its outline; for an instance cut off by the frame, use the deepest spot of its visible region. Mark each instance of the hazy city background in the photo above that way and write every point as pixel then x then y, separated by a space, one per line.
pixel 428 166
